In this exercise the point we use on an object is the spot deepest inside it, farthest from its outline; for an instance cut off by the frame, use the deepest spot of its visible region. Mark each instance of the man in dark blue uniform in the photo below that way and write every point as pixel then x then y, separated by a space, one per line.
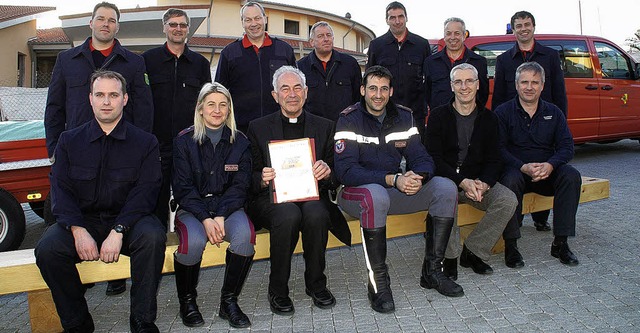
pixel 333 78
pixel 67 103
pixel 504 89
pixel 104 184
pixel 246 66
pixel 438 66
pixel 536 146
pixel 176 75
pixel 403 53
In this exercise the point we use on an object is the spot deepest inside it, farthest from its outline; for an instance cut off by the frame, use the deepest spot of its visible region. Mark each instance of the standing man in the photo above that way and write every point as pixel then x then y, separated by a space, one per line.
pixel 67 103
pixel 176 75
pixel 246 66
pixel 104 183
pixel 403 54
pixel 333 78
pixel 286 221
pixel 504 89
pixel 536 145
pixel 462 138
pixel 438 66
pixel 372 138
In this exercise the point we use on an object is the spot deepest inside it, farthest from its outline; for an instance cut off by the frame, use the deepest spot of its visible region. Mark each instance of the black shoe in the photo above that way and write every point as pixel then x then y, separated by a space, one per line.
pixel 468 259
pixel 85 327
pixel 512 257
pixel 323 299
pixel 231 311
pixel 442 284
pixel 138 326
pixel 116 287
pixel 542 226
pixel 562 252
pixel 450 268
pixel 281 305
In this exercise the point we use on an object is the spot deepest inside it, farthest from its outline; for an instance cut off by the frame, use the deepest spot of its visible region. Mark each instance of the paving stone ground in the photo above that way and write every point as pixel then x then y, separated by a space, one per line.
pixel 602 294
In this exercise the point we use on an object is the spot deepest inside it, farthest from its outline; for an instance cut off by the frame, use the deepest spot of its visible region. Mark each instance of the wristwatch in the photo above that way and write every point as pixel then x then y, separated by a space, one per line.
pixel 119 228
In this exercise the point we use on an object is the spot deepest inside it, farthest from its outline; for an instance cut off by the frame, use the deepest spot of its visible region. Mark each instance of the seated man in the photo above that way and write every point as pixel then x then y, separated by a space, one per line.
pixel 372 138
pixel 462 138
pixel 104 186
pixel 536 145
pixel 286 221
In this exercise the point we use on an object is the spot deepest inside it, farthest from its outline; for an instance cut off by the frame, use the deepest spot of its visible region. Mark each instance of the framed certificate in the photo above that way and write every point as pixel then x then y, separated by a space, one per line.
pixel 293 163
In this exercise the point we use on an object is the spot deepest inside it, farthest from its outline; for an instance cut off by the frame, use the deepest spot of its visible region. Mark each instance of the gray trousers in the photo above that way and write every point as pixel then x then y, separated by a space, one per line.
pixel 238 230
pixel 498 203
pixel 373 202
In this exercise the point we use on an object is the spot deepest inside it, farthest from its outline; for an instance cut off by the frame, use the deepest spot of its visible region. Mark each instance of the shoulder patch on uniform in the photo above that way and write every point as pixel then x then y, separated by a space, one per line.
pixel 349 109
pixel 339 146
pixel 186 130
pixel 404 108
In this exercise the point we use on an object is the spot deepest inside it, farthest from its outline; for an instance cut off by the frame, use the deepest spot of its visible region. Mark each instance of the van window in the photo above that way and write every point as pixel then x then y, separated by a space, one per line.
pixel 614 64
pixel 491 51
pixel 574 57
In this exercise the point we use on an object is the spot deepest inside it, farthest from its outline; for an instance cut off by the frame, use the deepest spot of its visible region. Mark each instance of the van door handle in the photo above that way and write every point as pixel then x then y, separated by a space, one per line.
pixel 607 87
pixel 591 87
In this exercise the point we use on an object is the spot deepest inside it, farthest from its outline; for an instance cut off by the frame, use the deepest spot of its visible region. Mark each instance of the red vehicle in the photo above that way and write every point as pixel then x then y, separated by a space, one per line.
pixel 24 178
pixel 602 82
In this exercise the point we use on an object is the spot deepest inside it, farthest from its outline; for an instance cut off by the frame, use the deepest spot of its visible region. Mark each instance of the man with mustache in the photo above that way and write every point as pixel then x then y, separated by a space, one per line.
pixel 333 77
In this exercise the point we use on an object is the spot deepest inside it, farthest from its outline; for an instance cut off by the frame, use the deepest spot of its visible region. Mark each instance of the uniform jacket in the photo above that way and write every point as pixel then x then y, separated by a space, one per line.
pixel 207 182
pixel 405 64
pixel 545 137
pixel 483 159
pixel 175 85
pixel 332 91
pixel 504 87
pixel 248 77
pixel 106 179
pixel 367 151
pixel 68 97
pixel 268 128
pixel 437 69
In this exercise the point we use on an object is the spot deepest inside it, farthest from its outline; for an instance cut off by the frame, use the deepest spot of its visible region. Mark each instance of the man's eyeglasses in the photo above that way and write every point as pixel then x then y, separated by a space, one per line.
pixel 175 25
pixel 467 82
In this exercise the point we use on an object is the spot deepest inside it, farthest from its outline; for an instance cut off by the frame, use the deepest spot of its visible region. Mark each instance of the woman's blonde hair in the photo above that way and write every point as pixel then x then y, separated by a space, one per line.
pixel 199 127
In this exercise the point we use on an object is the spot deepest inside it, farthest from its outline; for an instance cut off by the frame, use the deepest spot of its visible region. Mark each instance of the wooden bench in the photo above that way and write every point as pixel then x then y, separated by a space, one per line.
pixel 19 273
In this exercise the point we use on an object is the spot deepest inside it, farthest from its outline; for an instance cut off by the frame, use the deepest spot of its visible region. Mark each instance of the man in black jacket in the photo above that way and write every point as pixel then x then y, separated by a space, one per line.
pixel 287 220
pixel 333 77
pixel 176 75
pixel 462 138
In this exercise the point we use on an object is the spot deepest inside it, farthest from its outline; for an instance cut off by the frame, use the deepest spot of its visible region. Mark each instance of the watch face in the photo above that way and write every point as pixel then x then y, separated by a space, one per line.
pixel 119 228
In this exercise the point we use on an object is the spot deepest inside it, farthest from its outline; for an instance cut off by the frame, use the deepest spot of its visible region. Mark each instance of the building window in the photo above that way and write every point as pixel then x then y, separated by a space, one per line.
pixel 21 69
pixel 291 27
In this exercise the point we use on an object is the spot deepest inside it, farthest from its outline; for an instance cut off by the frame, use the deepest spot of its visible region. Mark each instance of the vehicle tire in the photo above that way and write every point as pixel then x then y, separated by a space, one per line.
pixel 12 222
pixel 47 213
pixel 37 207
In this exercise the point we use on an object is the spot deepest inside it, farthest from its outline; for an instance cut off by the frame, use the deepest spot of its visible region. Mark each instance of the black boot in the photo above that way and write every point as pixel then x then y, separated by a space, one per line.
pixel 450 268
pixel 186 283
pixel 235 274
pixel 437 236
pixel 379 284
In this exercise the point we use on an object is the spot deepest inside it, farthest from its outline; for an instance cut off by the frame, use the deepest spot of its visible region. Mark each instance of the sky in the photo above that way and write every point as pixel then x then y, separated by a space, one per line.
pixel 486 17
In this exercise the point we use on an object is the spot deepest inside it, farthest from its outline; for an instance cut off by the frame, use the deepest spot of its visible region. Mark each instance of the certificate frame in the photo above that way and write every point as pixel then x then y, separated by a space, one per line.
pixel 293 162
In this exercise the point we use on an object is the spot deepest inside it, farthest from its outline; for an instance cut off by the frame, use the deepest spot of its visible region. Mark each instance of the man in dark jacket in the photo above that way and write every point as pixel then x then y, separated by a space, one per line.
pixel 104 184
pixel 438 66
pixel 333 78
pixel 246 66
pixel 462 138
pixel 403 54
pixel 536 146
pixel 287 220
pixel 176 75
pixel 504 86
pixel 372 139
pixel 67 100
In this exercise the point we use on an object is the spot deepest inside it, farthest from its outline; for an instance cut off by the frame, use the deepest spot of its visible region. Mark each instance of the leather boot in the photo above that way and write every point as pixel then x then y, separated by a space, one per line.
pixel 235 274
pixel 186 283
pixel 450 268
pixel 374 242
pixel 437 236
